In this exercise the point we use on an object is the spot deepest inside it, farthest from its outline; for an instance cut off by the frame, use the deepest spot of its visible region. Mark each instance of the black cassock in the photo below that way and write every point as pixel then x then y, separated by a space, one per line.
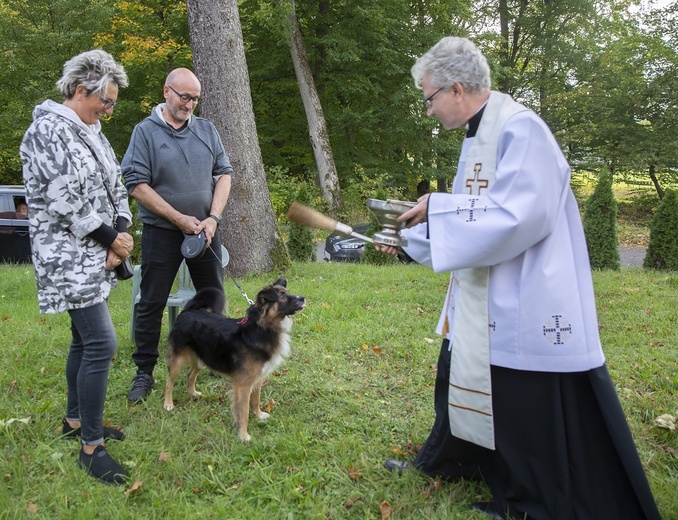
pixel 563 447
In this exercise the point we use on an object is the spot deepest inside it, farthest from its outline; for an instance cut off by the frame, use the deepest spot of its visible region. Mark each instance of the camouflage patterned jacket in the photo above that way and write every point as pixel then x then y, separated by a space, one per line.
pixel 65 165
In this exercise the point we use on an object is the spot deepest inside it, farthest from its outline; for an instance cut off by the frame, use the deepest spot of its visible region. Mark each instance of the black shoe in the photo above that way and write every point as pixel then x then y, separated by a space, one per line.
pixel 101 466
pixel 141 387
pixel 397 465
pixel 68 432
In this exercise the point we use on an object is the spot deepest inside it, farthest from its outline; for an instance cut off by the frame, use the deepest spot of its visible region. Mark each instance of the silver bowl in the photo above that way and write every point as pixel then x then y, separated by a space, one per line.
pixel 387 212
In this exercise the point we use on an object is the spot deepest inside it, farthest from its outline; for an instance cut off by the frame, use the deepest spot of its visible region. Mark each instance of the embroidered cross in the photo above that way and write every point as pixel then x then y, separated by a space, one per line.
pixel 493 327
pixel 556 331
pixel 471 210
pixel 471 184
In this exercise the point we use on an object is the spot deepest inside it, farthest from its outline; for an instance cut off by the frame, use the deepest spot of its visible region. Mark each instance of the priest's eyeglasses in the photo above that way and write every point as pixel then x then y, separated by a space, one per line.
pixel 429 100
pixel 185 98
pixel 108 103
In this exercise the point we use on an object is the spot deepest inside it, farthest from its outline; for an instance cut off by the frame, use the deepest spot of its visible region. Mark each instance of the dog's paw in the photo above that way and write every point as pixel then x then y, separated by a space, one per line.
pixel 195 393
pixel 246 438
pixel 262 416
pixel 169 407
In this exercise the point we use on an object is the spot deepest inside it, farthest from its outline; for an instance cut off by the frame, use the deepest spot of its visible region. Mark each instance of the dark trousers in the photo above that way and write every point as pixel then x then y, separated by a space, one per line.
pixel 89 360
pixel 160 260
pixel 564 450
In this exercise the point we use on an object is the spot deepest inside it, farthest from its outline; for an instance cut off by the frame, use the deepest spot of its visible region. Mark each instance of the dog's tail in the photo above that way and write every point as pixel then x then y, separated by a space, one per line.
pixel 211 299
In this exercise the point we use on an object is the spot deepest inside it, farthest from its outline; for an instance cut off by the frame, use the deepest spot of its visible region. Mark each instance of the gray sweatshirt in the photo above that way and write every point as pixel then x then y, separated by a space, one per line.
pixel 182 166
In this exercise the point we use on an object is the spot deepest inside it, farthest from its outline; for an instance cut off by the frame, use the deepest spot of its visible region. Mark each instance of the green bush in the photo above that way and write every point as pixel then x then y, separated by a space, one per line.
pixel 600 225
pixel 300 244
pixel 662 252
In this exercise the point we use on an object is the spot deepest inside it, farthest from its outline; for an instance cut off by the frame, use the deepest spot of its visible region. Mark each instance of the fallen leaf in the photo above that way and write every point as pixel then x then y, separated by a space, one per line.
pixel 385 509
pixel 354 473
pixel 26 420
pixel 428 340
pixel 397 451
pixel 135 487
pixel 269 405
pixel 352 501
pixel 411 448
pixel 666 421
pixel 164 456
pixel 377 350
pixel 31 508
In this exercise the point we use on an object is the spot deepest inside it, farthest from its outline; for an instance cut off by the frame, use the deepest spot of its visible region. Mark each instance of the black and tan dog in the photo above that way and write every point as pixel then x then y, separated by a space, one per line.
pixel 245 350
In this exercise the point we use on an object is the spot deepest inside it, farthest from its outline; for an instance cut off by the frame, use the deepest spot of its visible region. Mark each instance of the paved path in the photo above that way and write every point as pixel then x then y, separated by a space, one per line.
pixel 632 256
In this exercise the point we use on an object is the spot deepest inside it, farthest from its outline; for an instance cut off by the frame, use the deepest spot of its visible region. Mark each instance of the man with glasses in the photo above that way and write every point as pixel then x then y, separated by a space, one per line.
pixel 179 173
pixel 522 398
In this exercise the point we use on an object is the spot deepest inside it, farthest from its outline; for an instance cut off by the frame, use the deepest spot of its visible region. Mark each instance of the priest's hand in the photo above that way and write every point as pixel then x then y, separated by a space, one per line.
pixel 389 250
pixel 417 214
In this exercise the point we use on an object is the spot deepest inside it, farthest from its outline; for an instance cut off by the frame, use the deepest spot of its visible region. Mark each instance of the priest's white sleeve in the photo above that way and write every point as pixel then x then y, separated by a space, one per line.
pixel 518 210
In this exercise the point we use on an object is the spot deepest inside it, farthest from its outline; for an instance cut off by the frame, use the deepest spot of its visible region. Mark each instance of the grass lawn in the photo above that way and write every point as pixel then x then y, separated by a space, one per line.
pixel 357 389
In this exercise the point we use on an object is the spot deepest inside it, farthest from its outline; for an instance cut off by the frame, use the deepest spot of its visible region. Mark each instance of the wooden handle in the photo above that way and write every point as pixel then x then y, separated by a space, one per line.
pixel 309 217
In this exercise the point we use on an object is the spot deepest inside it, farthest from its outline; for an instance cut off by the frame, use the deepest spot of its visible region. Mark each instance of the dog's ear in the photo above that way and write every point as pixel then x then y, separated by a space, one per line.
pixel 267 294
pixel 281 282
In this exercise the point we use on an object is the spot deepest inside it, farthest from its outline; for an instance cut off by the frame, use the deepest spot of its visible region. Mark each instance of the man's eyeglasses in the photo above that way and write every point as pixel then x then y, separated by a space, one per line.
pixel 185 98
pixel 108 103
pixel 429 100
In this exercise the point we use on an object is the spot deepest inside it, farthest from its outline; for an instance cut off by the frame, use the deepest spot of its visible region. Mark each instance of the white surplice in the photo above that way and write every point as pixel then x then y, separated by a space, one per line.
pixel 525 227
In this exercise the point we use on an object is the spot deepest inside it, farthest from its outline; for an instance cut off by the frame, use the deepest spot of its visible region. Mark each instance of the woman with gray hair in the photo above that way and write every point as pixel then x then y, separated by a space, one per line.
pixel 78 221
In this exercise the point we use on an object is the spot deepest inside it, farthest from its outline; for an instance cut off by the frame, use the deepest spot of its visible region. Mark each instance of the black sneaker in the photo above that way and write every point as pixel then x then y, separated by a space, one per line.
pixel 101 466
pixel 68 432
pixel 141 387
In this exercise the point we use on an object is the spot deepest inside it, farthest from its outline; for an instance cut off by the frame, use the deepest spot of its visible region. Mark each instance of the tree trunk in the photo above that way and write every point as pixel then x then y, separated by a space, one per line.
pixel 653 176
pixel 249 230
pixel 328 179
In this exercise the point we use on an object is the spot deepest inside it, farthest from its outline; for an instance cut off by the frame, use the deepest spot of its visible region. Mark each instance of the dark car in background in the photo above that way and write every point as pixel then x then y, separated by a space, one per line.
pixel 342 248
pixel 14 240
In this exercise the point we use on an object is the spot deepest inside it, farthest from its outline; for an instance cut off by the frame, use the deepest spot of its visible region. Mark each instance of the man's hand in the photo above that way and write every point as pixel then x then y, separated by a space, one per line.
pixel 389 250
pixel 417 214
pixel 189 224
pixel 209 225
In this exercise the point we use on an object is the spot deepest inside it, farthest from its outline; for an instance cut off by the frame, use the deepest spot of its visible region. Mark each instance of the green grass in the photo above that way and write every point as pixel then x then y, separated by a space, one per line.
pixel 357 389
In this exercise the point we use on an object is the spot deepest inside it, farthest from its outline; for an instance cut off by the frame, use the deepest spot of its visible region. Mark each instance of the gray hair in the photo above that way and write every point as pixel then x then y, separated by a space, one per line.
pixel 453 60
pixel 96 70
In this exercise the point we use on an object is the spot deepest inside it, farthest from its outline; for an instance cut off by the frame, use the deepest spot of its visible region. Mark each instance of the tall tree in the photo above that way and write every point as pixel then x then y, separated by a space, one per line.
pixel 249 231
pixel 328 179
pixel 37 37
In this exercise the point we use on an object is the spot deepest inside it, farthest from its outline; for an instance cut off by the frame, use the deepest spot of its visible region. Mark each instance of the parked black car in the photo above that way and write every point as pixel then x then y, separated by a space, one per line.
pixel 14 240
pixel 341 248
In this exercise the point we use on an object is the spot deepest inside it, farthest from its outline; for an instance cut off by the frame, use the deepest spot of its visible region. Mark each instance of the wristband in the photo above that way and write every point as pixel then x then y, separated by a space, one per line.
pixel 216 219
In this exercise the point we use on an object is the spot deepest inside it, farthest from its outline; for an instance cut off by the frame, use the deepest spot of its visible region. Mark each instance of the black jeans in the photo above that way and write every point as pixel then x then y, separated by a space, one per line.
pixel 160 260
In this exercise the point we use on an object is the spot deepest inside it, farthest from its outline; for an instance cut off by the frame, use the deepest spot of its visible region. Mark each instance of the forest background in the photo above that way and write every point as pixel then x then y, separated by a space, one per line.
pixel 600 72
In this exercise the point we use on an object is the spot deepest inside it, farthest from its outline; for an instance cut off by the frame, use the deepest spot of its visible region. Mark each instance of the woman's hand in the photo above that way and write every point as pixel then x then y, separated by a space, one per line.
pixel 112 260
pixel 122 246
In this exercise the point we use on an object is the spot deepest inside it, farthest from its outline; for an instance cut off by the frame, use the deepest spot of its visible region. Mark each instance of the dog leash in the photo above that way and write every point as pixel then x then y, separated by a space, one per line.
pixel 231 277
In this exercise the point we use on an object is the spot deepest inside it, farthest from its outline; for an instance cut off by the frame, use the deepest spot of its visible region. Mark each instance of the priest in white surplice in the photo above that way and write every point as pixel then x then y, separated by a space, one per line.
pixel 523 398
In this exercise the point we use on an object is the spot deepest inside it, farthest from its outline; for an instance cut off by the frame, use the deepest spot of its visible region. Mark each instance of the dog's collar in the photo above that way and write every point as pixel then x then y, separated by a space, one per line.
pixel 242 321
